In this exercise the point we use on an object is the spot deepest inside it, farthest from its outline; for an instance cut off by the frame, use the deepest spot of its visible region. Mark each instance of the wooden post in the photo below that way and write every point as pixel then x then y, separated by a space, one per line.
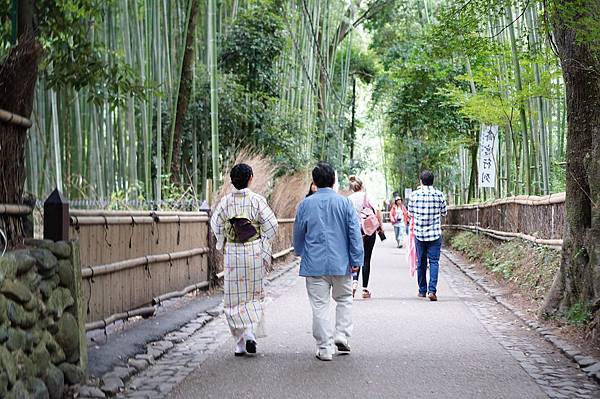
pixel 56 217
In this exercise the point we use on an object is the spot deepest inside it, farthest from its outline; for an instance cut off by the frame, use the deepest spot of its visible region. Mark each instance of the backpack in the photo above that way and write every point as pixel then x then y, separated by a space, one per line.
pixel 368 219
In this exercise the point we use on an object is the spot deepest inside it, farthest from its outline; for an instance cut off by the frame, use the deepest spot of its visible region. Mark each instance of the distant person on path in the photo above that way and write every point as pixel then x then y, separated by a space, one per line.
pixel 244 223
pixel 311 190
pixel 427 205
pixel 399 218
pixel 371 222
pixel 327 237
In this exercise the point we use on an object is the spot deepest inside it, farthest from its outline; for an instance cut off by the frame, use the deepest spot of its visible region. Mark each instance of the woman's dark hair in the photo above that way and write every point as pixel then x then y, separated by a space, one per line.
pixel 240 175
pixel 323 175
pixel 310 191
pixel 427 178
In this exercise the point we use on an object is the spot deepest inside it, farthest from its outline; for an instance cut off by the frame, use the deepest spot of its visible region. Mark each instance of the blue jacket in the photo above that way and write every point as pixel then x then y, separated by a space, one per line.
pixel 327 235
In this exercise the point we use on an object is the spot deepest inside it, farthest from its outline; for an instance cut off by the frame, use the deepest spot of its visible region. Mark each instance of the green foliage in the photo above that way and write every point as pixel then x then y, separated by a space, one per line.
pixel 74 56
pixel 578 314
pixel 531 268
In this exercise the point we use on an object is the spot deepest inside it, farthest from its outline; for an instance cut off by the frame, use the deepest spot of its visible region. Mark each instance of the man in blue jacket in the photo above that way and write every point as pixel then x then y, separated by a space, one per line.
pixel 327 237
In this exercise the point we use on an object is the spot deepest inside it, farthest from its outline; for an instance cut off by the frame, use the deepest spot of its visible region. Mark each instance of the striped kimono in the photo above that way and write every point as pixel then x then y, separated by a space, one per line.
pixel 244 262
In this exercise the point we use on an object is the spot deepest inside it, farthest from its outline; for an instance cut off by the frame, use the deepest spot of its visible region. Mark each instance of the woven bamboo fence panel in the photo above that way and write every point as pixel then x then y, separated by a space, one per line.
pixel 530 216
pixel 129 258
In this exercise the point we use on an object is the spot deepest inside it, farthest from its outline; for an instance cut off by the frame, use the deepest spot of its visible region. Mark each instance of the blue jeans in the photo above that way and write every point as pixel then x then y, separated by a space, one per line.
pixel 428 250
pixel 398 231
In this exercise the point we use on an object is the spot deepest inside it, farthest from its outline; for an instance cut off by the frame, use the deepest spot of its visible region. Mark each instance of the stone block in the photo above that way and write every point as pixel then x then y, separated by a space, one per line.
pixel 45 259
pixel 31 279
pixel 79 309
pixel 60 299
pixel 18 391
pixel 19 316
pixel 592 369
pixel 57 354
pixel 3 309
pixel 61 249
pixel 8 365
pixel 138 364
pixel 16 291
pixel 91 392
pixel 23 260
pixel 68 337
pixel 37 389
pixel 48 286
pixel 3 384
pixel 73 374
pixel 55 382
pixel 65 273
pixel 16 339
pixel 41 360
pixel 25 366
pixel 8 268
pixel 3 333
pixel 32 305
pixel 112 385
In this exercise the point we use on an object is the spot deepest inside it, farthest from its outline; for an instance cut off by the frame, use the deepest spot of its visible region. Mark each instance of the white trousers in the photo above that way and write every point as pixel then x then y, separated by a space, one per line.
pixel 320 290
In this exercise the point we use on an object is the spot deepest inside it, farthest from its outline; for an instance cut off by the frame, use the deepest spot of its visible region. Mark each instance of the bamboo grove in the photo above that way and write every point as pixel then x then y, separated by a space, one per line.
pixel 462 64
pixel 181 86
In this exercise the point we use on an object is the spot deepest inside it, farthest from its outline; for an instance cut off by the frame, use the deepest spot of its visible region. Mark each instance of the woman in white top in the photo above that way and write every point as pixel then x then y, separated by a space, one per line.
pixel 360 200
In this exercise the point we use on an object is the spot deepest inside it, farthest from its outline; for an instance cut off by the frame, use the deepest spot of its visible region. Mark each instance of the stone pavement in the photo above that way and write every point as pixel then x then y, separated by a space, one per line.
pixel 463 346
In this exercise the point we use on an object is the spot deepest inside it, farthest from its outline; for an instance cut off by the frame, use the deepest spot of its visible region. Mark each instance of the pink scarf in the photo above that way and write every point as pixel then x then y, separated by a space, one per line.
pixel 412 250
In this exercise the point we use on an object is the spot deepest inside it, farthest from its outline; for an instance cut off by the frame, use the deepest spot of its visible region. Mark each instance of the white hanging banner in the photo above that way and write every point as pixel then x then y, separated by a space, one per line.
pixel 488 155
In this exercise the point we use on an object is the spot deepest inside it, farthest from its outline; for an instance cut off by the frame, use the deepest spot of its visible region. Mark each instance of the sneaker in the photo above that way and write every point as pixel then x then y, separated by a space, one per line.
pixel 422 295
pixel 432 297
pixel 366 293
pixel 240 347
pixel 324 355
pixel 354 287
pixel 342 347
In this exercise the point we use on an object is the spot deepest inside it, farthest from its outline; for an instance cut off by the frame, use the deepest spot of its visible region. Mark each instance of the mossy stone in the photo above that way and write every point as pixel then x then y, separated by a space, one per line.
pixel 25 365
pixel 73 374
pixel 8 267
pixel 60 299
pixel 46 260
pixel 24 260
pixel 16 339
pixel 31 279
pixel 3 385
pixel 68 337
pixel 49 285
pixel 37 389
pixel 18 391
pixel 61 249
pixel 16 291
pixel 41 360
pixel 3 333
pixel 19 316
pixel 65 273
pixel 3 309
pixel 55 382
pixel 8 365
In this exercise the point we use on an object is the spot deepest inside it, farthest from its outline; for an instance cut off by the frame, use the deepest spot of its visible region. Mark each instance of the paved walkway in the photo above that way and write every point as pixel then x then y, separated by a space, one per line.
pixel 463 346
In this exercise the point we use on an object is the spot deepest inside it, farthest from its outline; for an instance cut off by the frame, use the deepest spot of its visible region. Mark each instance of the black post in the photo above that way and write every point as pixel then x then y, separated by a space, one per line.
pixel 56 217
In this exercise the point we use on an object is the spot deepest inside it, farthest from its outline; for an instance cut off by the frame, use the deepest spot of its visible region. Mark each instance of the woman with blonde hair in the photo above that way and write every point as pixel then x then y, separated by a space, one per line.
pixel 371 222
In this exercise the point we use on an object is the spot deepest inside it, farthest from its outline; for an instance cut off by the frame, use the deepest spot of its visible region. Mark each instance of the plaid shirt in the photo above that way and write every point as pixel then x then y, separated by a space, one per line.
pixel 426 206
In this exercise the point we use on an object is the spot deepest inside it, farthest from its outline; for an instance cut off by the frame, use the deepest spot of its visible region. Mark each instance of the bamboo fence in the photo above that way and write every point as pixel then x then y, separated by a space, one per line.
pixel 536 219
pixel 133 260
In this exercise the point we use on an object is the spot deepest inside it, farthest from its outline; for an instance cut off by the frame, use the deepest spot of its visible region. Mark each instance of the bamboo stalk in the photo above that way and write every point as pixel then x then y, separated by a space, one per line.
pixel 99 324
pixel 14 119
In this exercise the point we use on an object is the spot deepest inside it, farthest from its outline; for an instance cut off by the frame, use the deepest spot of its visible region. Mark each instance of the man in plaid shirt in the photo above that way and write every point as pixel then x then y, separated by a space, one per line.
pixel 427 205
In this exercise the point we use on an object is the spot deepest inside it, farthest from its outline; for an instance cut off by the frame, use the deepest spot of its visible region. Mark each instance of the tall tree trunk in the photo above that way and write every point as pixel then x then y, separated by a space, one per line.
pixel 578 281
pixel 18 75
pixel 185 89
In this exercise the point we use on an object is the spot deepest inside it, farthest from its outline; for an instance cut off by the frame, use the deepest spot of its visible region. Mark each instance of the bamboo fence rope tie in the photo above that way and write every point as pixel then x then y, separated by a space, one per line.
pixel 177 294
pixel 282 253
pixel 286 220
pixel 15 209
pixel 101 324
pixel 98 270
pixel 14 119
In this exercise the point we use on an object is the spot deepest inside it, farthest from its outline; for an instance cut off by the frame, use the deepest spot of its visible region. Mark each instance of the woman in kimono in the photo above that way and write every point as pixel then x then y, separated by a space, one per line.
pixel 244 224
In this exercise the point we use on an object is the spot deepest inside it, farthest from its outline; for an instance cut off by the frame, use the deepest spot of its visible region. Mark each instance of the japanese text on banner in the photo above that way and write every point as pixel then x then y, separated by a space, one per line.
pixel 488 155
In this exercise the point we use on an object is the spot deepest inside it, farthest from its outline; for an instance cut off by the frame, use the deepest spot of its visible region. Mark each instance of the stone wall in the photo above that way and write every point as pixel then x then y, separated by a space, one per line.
pixel 42 321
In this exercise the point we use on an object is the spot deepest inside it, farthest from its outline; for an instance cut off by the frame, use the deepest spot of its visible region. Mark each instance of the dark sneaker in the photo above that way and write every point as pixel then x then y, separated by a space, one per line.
pixel 432 297
pixel 343 347
pixel 422 295
pixel 251 346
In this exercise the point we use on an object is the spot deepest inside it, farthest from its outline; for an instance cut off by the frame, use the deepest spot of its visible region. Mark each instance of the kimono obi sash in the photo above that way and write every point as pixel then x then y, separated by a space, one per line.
pixel 241 230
